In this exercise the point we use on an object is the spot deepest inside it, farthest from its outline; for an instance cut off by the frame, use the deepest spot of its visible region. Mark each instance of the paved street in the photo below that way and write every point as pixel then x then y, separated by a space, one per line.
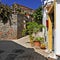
pixel 21 49
pixel 10 50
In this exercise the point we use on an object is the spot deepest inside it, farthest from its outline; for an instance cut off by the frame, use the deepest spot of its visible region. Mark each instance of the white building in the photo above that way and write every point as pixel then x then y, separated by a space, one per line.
pixel 51 19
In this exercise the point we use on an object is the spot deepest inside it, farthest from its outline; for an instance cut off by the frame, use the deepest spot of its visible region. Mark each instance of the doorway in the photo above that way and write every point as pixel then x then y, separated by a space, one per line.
pixel 52 20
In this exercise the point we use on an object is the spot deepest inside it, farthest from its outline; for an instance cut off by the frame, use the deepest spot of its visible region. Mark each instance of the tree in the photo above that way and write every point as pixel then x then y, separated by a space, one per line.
pixel 5 13
pixel 38 15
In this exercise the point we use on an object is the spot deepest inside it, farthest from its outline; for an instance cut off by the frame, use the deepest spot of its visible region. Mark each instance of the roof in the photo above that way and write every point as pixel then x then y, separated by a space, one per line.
pixel 23 6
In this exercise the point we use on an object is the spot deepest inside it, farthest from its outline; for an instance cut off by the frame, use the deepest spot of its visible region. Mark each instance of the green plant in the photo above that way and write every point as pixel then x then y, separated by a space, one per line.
pixel 5 13
pixel 43 46
pixel 31 37
pixel 32 27
pixel 18 9
pixel 38 15
pixel 24 32
pixel 41 39
pixel 42 26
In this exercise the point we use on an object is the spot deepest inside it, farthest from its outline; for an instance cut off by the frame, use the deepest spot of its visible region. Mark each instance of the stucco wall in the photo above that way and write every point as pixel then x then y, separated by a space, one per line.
pixel 45 32
pixel 57 30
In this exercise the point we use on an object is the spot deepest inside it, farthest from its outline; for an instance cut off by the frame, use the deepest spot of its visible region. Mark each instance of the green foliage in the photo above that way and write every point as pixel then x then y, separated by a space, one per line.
pixel 18 9
pixel 38 15
pixel 5 12
pixel 41 39
pixel 24 32
pixel 42 26
pixel 32 27
pixel 31 37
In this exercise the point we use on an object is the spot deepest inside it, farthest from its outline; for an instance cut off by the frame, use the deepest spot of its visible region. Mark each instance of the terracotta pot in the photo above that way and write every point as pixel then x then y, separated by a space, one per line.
pixel 43 46
pixel 37 43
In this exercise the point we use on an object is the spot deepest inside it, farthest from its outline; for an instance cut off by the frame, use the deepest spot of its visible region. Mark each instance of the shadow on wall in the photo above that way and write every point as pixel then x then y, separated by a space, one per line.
pixel 20 24
pixel 10 50
pixel 5 19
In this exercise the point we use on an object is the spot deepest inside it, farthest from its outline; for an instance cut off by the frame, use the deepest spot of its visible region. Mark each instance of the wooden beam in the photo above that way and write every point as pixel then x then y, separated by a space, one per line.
pixel 49 34
pixel 51 9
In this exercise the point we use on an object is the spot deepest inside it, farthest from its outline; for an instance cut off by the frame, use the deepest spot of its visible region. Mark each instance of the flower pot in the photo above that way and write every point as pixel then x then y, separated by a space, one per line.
pixel 37 43
pixel 43 46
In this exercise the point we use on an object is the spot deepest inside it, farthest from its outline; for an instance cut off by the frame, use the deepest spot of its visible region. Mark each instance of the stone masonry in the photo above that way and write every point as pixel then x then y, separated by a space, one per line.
pixel 14 31
pixel 7 31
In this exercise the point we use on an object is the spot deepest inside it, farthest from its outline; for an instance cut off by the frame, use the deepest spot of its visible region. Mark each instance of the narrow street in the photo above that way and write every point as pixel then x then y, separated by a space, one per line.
pixel 16 50
pixel 10 50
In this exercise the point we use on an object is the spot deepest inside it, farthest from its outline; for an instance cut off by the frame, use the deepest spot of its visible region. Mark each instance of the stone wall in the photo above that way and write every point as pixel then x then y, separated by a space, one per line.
pixel 20 25
pixel 14 31
pixel 7 31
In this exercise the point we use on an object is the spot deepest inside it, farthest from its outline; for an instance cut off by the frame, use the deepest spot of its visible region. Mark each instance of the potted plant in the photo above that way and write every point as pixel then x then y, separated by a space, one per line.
pixel 43 46
pixel 37 41
pixel 32 27
pixel 31 39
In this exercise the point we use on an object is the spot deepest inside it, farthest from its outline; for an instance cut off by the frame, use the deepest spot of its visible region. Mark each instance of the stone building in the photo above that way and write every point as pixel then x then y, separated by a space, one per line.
pixel 18 23
pixel 22 8
pixel 51 19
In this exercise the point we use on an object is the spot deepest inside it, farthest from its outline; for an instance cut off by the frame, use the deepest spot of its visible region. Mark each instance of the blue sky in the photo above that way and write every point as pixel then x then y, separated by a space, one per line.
pixel 34 4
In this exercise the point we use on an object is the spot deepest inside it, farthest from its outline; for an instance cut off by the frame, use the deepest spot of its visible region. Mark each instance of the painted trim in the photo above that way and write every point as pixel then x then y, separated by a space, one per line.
pixel 50 10
pixel 49 34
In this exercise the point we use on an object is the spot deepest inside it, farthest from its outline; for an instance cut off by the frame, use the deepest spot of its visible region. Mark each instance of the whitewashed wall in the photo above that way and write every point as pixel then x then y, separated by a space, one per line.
pixel 44 23
pixel 44 18
pixel 57 30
